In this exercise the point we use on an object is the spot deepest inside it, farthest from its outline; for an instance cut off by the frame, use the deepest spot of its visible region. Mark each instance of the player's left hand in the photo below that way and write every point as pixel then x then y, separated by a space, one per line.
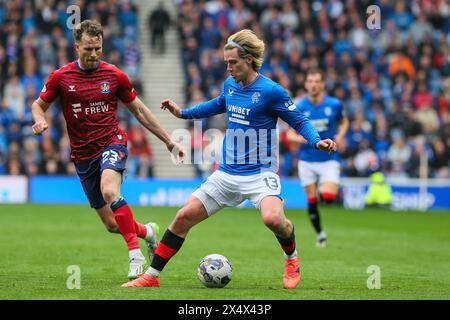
pixel 327 145
pixel 177 152
pixel 39 127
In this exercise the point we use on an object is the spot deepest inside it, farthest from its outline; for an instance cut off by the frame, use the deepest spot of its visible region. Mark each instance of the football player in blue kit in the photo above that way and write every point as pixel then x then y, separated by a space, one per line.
pixel 320 171
pixel 248 168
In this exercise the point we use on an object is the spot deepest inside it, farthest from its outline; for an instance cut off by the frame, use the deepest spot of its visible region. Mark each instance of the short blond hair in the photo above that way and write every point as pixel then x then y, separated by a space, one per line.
pixel 248 44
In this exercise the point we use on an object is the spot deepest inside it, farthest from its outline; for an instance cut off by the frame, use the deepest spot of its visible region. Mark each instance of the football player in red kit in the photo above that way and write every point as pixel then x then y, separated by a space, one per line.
pixel 89 90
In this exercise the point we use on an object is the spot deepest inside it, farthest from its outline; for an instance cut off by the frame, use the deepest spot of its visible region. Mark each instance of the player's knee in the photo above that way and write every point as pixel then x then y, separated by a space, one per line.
pixel 184 218
pixel 273 220
pixel 110 194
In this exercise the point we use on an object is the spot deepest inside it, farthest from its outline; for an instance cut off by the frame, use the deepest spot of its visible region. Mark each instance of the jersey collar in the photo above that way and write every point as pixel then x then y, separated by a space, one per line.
pixel 316 105
pixel 77 63
pixel 251 83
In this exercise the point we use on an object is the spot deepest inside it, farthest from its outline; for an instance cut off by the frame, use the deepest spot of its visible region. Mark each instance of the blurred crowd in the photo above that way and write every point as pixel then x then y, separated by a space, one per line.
pixel 394 82
pixel 35 41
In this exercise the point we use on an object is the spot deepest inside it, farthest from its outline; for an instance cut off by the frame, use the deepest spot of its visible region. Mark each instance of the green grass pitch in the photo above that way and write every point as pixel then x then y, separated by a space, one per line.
pixel 412 249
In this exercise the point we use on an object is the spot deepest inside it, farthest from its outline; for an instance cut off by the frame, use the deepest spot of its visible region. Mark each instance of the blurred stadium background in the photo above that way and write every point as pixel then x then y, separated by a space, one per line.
pixel 394 82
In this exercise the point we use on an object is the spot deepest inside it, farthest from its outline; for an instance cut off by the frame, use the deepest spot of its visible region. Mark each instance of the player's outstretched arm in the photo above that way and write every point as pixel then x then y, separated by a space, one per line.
pixel 203 110
pixel 38 108
pixel 151 123
pixel 294 137
pixel 326 145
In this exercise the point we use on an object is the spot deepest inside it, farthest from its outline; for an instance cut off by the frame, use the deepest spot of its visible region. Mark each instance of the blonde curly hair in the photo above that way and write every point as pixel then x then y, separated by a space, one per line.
pixel 248 44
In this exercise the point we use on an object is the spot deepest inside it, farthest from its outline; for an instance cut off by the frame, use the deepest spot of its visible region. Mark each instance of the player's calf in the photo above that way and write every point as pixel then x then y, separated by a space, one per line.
pixel 313 212
pixel 191 214
pixel 112 228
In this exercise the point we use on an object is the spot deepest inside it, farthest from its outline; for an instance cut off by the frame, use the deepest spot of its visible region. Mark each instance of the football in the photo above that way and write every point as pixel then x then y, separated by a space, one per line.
pixel 215 271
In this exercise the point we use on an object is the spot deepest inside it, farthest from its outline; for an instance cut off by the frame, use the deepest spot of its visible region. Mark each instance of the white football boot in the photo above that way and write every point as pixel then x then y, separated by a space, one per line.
pixel 137 267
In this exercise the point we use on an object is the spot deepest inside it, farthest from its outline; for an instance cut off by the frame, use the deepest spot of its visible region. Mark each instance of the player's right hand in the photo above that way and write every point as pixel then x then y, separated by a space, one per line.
pixel 327 145
pixel 39 127
pixel 177 152
pixel 172 107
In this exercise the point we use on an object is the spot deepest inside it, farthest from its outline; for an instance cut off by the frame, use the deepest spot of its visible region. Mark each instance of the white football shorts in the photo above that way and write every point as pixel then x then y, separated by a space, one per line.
pixel 319 172
pixel 222 190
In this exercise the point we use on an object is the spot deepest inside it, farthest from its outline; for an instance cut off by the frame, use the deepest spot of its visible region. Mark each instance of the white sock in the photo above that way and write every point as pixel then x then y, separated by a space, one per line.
pixel 152 272
pixel 136 254
pixel 322 234
pixel 292 256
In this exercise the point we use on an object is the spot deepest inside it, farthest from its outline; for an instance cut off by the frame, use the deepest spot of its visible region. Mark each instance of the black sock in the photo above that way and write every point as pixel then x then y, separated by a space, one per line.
pixel 167 248
pixel 288 245
pixel 314 216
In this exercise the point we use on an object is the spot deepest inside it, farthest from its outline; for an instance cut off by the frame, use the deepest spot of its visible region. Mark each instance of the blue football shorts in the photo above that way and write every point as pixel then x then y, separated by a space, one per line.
pixel 113 157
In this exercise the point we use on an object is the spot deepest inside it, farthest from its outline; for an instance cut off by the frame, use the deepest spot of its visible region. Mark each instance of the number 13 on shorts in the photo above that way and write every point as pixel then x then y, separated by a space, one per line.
pixel 272 183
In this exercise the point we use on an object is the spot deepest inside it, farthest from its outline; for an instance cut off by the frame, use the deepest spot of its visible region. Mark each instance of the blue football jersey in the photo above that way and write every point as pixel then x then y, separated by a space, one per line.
pixel 250 143
pixel 326 118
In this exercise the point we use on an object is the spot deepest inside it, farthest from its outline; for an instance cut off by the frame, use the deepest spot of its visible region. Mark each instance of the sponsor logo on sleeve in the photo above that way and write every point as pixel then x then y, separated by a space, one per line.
pixel 290 105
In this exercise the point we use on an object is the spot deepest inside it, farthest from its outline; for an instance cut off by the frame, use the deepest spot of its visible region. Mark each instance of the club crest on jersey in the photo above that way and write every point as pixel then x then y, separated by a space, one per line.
pixel 255 97
pixel 328 111
pixel 104 86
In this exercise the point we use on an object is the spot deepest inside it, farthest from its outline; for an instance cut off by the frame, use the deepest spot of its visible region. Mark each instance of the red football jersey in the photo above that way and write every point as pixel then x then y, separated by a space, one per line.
pixel 89 101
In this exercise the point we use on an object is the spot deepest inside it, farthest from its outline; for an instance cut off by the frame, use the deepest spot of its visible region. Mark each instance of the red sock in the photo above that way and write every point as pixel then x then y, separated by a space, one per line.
pixel 125 222
pixel 288 245
pixel 328 196
pixel 290 248
pixel 312 200
pixel 141 230
pixel 167 248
